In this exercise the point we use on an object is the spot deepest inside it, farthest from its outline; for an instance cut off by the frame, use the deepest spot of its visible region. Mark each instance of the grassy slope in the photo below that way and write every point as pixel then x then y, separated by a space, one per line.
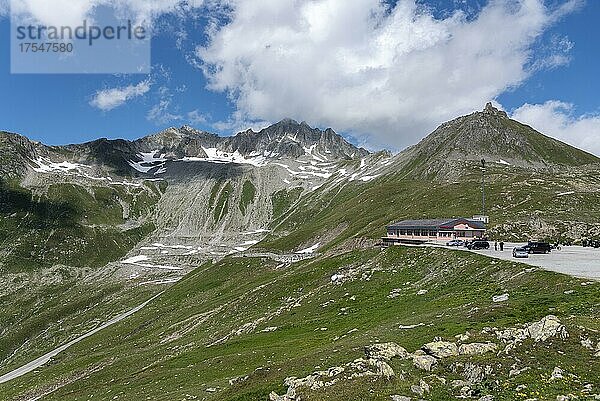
pixel 515 199
pixel 170 337
pixel 69 225
pixel 50 245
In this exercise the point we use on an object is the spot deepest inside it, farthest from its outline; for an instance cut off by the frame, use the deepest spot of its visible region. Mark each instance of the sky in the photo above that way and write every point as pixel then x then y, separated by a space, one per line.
pixel 382 73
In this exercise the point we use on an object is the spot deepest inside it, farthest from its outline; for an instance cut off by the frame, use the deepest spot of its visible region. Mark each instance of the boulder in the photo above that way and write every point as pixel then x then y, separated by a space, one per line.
pixel 382 368
pixel 441 349
pixel 557 373
pixel 425 362
pixel 476 348
pixel 385 351
pixel 417 390
pixel 548 327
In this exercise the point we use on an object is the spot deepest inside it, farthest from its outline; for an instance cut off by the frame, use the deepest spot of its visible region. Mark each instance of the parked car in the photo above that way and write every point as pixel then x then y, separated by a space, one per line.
pixel 537 247
pixel 478 244
pixel 520 252
pixel 455 242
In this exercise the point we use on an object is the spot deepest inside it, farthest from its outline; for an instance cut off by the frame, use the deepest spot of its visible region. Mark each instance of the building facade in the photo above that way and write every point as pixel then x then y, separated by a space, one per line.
pixel 436 230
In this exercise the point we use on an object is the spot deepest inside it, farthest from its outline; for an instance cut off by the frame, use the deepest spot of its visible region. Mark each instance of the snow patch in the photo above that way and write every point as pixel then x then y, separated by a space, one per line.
pixel 149 161
pixel 137 261
pixel 47 166
pixel 500 298
pixel 368 177
pixel 310 249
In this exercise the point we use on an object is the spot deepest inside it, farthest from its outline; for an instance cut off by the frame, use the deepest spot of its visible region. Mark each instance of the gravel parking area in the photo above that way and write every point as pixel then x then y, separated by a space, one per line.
pixel 573 260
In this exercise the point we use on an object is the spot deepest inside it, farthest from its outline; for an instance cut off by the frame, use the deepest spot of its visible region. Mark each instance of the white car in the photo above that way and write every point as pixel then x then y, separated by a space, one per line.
pixel 455 242
pixel 520 253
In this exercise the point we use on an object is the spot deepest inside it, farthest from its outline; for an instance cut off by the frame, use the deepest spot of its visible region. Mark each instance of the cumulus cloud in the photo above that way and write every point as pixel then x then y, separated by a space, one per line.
pixel 108 99
pixel 386 74
pixel 558 119
pixel 73 12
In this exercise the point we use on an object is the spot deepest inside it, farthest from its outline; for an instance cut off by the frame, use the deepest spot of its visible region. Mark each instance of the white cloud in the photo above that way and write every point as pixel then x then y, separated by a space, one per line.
pixel 558 119
pixel 386 75
pixel 166 112
pixel 73 12
pixel 108 99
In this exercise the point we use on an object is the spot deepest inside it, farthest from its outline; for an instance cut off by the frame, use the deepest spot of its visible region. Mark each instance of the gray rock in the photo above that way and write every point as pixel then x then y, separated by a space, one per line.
pixel 417 390
pixel 557 373
pixel 385 351
pixel 400 398
pixel 477 348
pixel 441 349
pixel 549 326
pixel 425 362
pixel 382 368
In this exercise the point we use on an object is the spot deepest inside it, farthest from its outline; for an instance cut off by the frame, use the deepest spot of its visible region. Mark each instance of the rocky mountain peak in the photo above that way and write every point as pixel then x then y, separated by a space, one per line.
pixel 491 110
pixel 491 135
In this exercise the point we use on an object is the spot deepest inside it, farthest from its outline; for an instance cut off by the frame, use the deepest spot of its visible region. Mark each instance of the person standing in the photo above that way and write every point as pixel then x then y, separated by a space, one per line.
pixel 501 245
pixel 495 245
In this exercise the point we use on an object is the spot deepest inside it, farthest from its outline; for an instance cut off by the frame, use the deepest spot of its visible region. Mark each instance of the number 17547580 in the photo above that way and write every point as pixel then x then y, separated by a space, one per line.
pixel 46 47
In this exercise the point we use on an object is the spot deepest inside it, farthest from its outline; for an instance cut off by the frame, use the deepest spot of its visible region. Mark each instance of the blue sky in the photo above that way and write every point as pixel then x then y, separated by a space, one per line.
pixel 385 84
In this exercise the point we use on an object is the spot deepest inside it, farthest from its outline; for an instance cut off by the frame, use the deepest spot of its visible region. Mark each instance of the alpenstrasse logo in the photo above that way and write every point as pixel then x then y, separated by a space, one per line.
pixel 108 42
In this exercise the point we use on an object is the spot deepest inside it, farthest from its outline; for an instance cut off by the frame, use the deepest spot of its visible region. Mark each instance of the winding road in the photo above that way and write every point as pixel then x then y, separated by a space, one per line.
pixel 36 363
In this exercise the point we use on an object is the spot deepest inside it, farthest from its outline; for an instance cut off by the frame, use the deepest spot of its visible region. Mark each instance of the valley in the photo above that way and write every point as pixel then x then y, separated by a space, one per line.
pixel 257 261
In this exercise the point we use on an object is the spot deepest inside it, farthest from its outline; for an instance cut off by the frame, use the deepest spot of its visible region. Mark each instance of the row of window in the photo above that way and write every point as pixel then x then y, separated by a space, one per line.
pixel 432 233
pixel 416 233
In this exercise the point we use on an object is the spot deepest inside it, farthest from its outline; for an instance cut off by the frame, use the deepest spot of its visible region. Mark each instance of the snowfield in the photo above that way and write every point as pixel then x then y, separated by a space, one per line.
pixel 311 249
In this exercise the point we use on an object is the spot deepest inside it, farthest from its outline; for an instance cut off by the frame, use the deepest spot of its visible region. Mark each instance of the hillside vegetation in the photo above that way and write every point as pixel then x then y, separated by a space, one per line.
pixel 236 329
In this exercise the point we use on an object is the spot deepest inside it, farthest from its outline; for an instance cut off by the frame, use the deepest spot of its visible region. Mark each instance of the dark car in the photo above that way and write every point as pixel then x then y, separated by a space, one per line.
pixel 478 244
pixel 538 247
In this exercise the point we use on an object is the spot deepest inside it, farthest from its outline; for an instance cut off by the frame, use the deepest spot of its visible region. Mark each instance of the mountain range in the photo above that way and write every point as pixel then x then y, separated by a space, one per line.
pixel 242 237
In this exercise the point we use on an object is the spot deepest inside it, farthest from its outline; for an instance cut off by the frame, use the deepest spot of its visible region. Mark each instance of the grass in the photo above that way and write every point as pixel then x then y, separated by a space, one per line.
pixel 283 200
pixel 248 194
pixel 70 225
pixel 172 335
pixel 518 202
pixel 222 203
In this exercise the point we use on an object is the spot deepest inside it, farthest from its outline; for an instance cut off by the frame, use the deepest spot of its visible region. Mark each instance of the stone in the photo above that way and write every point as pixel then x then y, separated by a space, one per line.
pixel 441 349
pixel 587 343
pixel 557 373
pixel 400 398
pixel 465 392
pixel 549 326
pixel 425 362
pixel 500 298
pixel 421 292
pixel 477 348
pixel 476 373
pixel 385 351
pixel 516 372
pixel 417 390
pixel 383 369
pixel 238 379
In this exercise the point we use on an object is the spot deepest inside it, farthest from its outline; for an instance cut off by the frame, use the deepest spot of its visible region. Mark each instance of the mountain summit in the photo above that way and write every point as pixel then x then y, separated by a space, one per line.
pixel 491 135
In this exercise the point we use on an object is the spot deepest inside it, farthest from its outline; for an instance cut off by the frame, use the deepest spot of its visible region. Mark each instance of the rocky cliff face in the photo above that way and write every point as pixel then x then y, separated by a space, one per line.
pixel 292 139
